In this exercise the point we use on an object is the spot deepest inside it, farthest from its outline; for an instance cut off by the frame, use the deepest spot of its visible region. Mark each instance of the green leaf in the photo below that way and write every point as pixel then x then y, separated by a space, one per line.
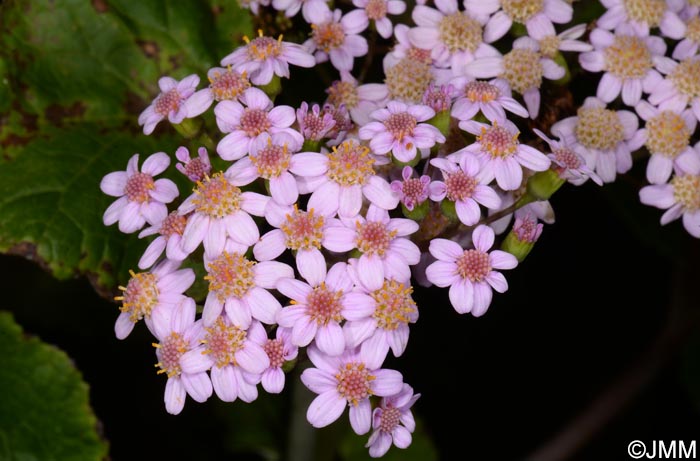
pixel 44 411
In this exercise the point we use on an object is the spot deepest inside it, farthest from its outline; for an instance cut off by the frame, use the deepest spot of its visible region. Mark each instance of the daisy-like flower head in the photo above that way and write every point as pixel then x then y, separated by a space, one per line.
pixel 347 380
pixel 169 240
pixel 239 287
pixel 628 62
pixel 224 84
pixel 393 422
pixel 141 198
pixel 526 228
pixel 343 123
pixel 534 14
pixel 680 88
pixel 642 15
pixel 501 155
pixel 245 125
pixel 313 124
pixel 492 99
pixel 690 43
pixel 196 168
pixel 377 11
pixel 398 130
pixel 311 10
pixel 338 37
pixel 679 197
pixel 178 334
pixel 605 138
pixel 567 163
pixel 219 210
pixel 170 103
pixel 339 180
pixel 411 191
pixel 470 273
pixel 317 306
pixel 149 292
pixel 439 98
pixel 263 57
pixel 463 185
pixel 235 360
pixel 667 137
pixel 279 350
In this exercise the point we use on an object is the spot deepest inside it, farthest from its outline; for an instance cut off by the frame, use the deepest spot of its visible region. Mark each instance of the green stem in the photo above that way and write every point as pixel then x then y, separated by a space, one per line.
pixel 302 436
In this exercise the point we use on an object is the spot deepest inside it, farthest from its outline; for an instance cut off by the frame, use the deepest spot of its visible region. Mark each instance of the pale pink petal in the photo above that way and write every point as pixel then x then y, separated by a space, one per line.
pixel 325 409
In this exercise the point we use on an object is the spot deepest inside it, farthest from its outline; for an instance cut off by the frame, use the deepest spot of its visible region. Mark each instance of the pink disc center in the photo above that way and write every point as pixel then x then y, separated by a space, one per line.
pixel 389 419
pixel 167 102
pixel 138 186
pixel 400 125
pixel 275 352
pixel 354 382
pixel 254 122
pixel 459 186
pixel 323 305
pixel 374 238
pixel 473 265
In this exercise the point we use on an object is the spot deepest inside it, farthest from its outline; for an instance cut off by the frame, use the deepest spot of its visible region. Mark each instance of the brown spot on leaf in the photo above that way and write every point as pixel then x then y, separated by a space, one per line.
pixel 149 48
pixel 100 6
pixel 28 250
pixel 56 113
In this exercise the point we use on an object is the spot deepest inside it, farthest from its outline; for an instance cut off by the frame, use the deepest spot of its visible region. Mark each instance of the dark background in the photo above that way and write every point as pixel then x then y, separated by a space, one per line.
pixel 604 306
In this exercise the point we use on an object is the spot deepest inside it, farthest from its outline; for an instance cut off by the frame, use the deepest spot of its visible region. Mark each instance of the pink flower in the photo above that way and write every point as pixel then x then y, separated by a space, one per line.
pixel 397 130
pixel 171 103
pixel 141 199
pixel 196 169
pixel 628 62
pixel 680 88
pixel 411 191
pixel 534 14
pixel 246 124
pixel 526 228
pixel 338 38
pixel 501 155
pixel 347 380
pixel 680 197
pixel 567 163
pixel 377 10
pixel 177 334
pixel 470 274
pixel 393 422
pixel 667 138
pixel 317 307
pixel 169 240
pixel 549 43
pixel 690 43
pixel 439 98
pixel 313 11
pixel 224 84
pixel 338 181
pixel 220 210
pixel 464 186
pixel 150 292
pixel 343 123
pixel 604 137
pixel 235 360
pixel 313 124
pixel 239 286
pixel 262 57
pixel 359 100
pixel 279 350
pixel 642 17
pixel 492 99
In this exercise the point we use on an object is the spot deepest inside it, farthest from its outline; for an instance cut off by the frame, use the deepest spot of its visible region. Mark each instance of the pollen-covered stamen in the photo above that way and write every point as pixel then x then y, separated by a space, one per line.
pixel 272 160
pixel 686 78
pixel 408 80
pixel 323 305
pixel 230 275
pixel 481 92
pixel 373 237
pixel 354 382
pixel 419 54
pixel 395 306
pixel 459 186
pixel 522 69
pixel 254 122
pixel 389 420
pixel 274 348
pixel 140 295
pixel 648 12
pixel 400 125
pixel 599 128
pixel 137 187
pixel 628 57
pixel 222 341
pixel 686 191
pixel 303 230
pixel 343 93
pixel 328 36
pixel 473 265
pixel 692 31
pixel 196 169
pixel 167 102
pixel 169 352
pixel 667 134
pixel 350 164
pixel 228 85
pixel 413 190
pixel 565 159
pixel 173 224
pixel 376 9
pixel 497 141
pixel 522 10
pixel 460 32
pixel 216 197
pixel 549 46
pixel 261 48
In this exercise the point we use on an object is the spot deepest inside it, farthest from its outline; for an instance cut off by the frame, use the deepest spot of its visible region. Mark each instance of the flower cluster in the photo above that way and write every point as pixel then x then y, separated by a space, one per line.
pixel 314 220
